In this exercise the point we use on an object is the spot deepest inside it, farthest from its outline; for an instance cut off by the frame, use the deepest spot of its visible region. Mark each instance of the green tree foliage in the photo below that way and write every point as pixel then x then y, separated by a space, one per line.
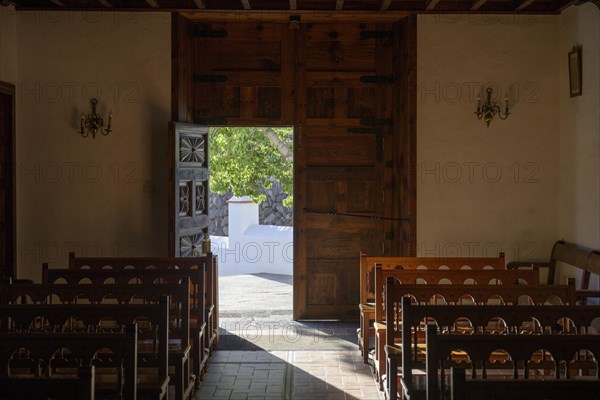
pixel 244 159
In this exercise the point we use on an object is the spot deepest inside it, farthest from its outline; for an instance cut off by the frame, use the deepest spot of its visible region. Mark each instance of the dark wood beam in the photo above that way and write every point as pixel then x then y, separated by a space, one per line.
pixel 477 4
pixel 561 5
pixel 431 4
pixel 152 3
pixel 524 4
pixel 200 4
pixel 58 3
pixel 385 4
pixel 246 4
pixel 306 15
pixel 105 3
pixel 293 5
pixel 339 5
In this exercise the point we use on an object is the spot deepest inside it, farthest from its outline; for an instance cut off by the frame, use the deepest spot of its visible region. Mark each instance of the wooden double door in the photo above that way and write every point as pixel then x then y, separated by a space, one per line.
pixel 347 89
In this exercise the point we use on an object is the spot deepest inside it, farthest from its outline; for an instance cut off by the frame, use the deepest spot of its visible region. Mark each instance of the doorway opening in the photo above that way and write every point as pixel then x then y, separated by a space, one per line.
pixel 251 224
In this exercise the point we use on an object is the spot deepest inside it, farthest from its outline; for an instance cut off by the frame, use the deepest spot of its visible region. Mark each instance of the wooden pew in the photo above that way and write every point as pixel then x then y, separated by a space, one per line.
pixel 441 349
pixel 562 253
pixel 106 277
pixel 208 262
pixel 152 320
pixel 396 297
pixel 520 389
pixel 498 319
pixel 454 276
pixel 592 269
pixel 41 349
pixel 367 282
pixel 179 314
pixel 78 387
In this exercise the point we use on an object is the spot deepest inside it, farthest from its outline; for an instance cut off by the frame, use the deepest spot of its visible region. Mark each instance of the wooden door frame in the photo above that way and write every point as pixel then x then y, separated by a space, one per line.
pixel 9 90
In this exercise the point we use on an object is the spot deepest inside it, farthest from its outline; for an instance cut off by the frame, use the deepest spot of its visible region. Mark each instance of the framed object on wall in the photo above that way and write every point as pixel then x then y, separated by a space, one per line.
pixel 575 72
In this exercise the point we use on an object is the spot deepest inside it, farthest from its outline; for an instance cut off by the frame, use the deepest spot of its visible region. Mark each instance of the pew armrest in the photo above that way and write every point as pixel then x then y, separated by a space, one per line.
pixel 393 351
pixel 379 326
pixel 527 264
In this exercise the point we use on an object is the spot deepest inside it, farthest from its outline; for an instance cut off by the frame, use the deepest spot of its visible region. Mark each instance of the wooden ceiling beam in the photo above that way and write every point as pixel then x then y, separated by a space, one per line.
pixel 514 6
pixel 385 5
pixel 564 4
pixel 431 4
pixel 306 16
pixel 478 4
pixel 524 4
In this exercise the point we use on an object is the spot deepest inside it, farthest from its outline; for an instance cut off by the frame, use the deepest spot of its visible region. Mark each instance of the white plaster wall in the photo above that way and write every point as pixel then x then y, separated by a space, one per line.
pixel 579 172
pixel 105 196
pixel 483 190
pixel 579 216
pixel 8 44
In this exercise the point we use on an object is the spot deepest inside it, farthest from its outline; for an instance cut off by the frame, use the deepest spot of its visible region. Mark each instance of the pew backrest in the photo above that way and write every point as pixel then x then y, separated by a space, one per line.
pixel 40 293
pixel 567 260
pixel 89 318
pixel 462 388
pixel 563 349
pixel 42 347
pixel 455 277
pixel 368 264
pixel 105 278
pixel 208 263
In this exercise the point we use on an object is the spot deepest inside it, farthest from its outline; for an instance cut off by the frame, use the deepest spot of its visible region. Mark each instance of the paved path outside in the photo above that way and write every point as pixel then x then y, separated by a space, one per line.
pixel 255 294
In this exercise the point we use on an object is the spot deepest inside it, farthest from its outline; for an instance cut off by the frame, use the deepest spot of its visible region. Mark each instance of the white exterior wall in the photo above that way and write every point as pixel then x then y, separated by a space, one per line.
pixel 252 248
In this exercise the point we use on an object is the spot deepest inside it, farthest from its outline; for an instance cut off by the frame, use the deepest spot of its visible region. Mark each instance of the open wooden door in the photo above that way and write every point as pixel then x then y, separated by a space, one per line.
pixel 344 159
pixel 7 180
pixel 188 182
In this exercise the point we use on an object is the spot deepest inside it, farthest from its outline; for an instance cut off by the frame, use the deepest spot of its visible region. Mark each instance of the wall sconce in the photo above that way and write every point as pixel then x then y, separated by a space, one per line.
pixel 490 108
pixel 93 123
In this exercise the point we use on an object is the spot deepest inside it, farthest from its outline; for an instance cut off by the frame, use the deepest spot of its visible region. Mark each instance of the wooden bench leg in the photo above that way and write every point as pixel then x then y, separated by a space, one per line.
pixel 366 339
pixel 380 360
pixel 392 379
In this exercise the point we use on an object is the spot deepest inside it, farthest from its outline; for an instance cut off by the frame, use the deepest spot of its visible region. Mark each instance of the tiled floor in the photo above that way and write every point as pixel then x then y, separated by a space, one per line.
pixel 268 356
pixel 299 375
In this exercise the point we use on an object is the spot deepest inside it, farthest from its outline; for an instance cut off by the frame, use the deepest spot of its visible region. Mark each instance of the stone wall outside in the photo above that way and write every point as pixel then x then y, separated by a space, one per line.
pixel 271 211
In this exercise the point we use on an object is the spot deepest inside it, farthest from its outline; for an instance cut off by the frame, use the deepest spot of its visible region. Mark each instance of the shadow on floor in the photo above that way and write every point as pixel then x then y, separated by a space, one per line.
pixel 288 335
pixel 287 279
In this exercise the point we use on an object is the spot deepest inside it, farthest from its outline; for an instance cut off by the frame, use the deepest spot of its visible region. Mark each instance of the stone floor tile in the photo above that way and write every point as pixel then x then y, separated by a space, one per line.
pixel 291 375
pixel 222 393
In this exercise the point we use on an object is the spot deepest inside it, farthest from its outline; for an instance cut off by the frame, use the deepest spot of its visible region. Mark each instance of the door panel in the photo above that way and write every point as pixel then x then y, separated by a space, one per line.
pixel 188 200
pixel 243 74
